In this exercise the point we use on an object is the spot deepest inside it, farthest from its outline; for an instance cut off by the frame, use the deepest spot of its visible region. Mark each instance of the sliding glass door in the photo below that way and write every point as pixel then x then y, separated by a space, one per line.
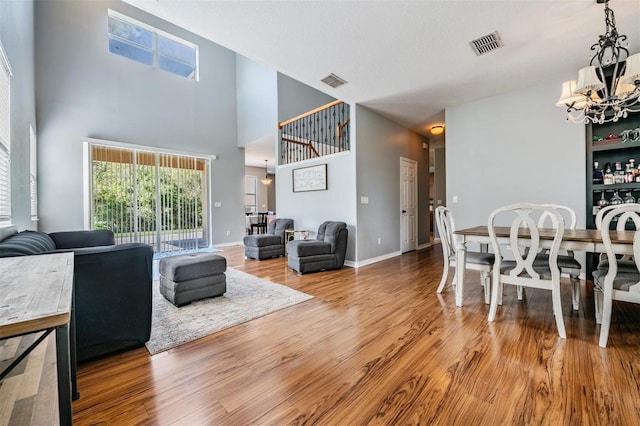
pixel 156 198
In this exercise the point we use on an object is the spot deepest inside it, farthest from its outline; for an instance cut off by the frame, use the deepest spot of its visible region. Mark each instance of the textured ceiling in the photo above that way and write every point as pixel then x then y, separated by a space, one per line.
pixel 407 60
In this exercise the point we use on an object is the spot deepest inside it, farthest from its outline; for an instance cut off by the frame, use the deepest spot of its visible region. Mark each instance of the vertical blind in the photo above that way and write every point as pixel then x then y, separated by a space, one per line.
pixel 150 197
pixel 5 119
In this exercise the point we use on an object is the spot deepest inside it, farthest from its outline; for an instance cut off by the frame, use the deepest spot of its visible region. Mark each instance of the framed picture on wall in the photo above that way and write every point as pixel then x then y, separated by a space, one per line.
pixel 312 178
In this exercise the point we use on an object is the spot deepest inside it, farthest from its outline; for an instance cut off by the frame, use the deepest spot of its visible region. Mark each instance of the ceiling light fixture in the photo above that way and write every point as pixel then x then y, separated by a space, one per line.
pixel 436 130
pixel 609 88
pixel 267 179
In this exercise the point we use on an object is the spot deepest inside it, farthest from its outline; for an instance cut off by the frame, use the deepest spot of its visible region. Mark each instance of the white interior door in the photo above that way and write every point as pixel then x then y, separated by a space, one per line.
pixel 408 205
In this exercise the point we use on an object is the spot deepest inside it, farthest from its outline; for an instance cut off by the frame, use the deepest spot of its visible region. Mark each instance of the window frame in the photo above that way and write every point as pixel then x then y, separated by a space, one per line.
pixel 5 217
pixel 33 173
pixel 154 50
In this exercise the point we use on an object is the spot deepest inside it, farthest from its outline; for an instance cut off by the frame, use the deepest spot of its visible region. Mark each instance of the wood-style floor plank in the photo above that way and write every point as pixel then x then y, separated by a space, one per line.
pixel 377 345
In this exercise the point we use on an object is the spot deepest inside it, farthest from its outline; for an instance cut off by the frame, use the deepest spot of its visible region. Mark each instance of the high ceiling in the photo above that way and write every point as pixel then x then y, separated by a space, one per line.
pixel 407 60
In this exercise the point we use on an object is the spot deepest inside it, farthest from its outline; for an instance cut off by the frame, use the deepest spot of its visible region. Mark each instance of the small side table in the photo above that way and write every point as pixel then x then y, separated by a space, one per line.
pixel 291 234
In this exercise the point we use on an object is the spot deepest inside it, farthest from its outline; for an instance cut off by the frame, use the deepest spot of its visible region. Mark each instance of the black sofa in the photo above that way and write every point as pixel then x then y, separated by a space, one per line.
pixel 112 286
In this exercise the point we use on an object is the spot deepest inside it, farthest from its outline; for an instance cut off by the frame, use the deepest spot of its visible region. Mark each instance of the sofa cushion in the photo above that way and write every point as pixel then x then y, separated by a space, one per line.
pixel 262 240
pixel 26 243
pixel 302 248
pixel 78 239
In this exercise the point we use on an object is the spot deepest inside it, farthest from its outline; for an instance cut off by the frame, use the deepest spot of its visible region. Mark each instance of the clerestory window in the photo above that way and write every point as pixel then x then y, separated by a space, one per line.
pixel 151 46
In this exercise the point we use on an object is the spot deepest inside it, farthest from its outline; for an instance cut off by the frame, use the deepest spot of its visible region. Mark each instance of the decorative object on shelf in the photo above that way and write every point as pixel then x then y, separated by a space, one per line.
pixel 267 179
pixel 611 136
pixel 312 178
pixel 603 202
pixel 628 199
pixel 436 130
pixel 597 138
pixel 591 100
pixel 616 199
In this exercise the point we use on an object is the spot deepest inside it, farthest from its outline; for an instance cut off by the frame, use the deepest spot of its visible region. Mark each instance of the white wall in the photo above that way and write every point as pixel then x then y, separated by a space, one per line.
pixel 515 147
pixel 309 209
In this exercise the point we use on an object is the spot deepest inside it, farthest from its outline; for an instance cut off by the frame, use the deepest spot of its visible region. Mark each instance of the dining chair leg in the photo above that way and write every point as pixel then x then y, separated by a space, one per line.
pixel 495 290
pixel 485 280
pixel 520 292
pixel 607 307
pixel 597 301
pixel 445 274
pixel 575 292
pixel 557 310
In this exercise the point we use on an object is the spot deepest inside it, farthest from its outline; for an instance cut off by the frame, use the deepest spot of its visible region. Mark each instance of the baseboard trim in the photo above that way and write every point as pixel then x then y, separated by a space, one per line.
pixel 424 246
pixel 236 243
pixel 372 260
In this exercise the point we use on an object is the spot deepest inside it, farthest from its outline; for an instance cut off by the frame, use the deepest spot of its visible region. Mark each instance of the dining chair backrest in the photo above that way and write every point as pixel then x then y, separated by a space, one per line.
pixel 568 216
pixel 523 270
pixel 446 227
pixel 621 219
pixel 623 213
pixel 625 287
pixel 525 248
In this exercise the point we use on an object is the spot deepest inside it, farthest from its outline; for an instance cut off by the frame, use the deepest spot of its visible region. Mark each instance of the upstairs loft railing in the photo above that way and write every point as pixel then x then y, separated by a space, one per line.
pixel 319 132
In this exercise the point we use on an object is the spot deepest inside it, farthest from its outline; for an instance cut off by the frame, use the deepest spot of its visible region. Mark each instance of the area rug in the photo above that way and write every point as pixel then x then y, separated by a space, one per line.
pixel 247 297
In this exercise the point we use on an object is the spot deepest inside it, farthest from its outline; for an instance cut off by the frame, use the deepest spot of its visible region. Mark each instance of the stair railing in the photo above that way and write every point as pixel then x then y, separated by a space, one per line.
pixel 319 132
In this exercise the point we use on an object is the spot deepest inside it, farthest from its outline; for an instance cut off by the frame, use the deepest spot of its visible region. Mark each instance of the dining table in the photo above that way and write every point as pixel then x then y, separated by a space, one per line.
pixel 586 240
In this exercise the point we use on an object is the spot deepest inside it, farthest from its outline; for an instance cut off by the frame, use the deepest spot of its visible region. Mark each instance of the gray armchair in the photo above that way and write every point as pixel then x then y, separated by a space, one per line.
pixel 327 251
pixel 271 244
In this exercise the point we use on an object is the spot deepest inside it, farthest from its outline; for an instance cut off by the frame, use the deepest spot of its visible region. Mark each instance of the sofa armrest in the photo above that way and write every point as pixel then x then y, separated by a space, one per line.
pixel 112 296
pixel 77 239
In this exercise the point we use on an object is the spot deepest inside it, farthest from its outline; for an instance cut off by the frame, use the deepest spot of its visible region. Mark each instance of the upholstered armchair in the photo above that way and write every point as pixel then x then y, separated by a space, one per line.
pixel 327 251
pixel 269 245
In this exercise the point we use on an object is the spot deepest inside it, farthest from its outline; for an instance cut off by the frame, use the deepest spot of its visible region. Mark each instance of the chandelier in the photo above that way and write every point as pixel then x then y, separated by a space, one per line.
pixel 267 179
pixel 609 88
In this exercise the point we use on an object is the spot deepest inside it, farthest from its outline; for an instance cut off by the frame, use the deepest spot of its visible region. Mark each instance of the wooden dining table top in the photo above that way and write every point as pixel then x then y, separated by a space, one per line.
pixel 593 236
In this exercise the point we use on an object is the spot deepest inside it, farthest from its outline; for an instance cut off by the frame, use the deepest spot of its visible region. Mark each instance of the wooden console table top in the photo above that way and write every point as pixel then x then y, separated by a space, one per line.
pixel 35 293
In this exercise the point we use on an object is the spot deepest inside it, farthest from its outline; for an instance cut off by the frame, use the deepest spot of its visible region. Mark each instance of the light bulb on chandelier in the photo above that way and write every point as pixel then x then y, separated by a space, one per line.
pixel 267 179
pixel 609 88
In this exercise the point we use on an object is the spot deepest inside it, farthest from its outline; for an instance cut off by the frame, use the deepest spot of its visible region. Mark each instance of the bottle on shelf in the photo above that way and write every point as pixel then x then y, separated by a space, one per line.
pixel 608 175
pixel 603 202
pixel 618 177
pixel 598 176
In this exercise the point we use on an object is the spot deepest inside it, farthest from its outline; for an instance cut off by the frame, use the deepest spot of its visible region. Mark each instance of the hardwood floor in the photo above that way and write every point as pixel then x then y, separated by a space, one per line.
pixel 377 345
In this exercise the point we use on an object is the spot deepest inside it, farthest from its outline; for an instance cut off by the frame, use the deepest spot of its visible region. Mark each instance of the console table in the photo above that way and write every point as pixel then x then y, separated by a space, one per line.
pixel 36 295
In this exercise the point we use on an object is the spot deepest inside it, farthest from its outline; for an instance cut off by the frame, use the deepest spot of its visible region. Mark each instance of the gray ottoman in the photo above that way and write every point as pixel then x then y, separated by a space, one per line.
pixel 188 277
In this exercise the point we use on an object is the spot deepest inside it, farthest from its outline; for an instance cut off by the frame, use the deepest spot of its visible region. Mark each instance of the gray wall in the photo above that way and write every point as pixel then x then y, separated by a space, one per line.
pixel 515 147
pixel 295 98
pixel 310 209
pixel 16 34
pixel 380 144
pixel 85 91
pixel 257 97
pixel 263 190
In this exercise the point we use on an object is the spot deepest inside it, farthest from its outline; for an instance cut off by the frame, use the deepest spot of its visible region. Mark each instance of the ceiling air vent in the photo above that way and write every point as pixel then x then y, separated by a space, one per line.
pixel 486 44
pixel 333 80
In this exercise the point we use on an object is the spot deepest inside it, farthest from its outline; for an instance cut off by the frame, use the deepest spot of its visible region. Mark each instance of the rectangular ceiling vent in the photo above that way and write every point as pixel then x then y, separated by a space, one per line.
pixel 486 44
pixel 333 80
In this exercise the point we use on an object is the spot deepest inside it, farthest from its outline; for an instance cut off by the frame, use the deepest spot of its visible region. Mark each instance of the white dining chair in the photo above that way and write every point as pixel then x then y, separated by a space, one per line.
pixel 566 261
pixel 625 262
pixel 612 283
pixel 523 270
pixel 476 261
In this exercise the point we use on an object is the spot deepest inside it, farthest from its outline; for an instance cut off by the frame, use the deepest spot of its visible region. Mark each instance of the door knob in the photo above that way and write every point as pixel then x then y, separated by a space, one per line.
pixel 404 211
